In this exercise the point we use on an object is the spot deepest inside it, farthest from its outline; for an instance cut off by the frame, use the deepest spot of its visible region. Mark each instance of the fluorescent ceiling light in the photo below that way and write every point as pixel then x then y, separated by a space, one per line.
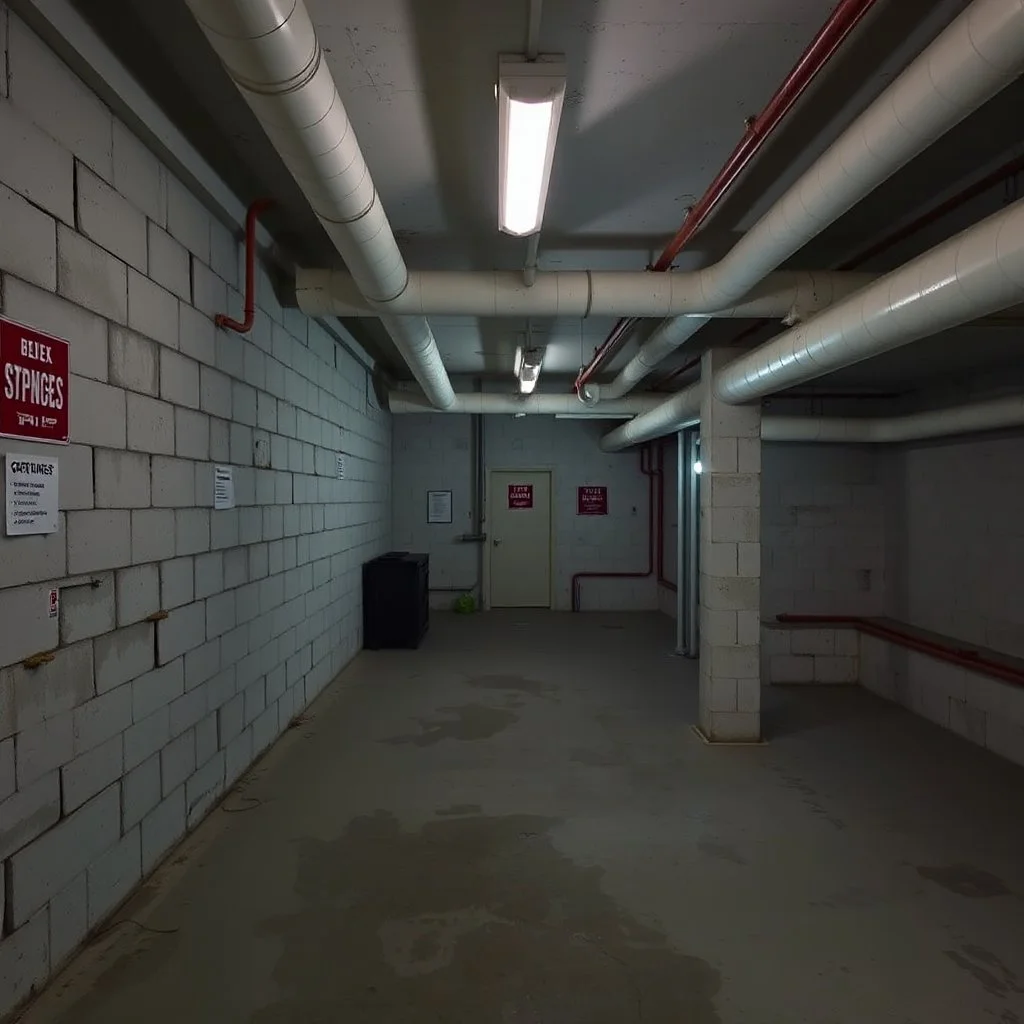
pixel 530 95
pixel 528 364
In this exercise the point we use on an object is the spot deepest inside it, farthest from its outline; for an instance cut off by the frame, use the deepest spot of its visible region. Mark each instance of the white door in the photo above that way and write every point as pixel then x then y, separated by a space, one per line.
pixel 519 535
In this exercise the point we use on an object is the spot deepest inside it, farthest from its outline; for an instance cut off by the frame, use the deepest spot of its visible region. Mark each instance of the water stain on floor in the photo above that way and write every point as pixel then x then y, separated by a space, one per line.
pixel 987 969
pixel 470 722
pixel 518 684
pixel 965 880
pixel 464 921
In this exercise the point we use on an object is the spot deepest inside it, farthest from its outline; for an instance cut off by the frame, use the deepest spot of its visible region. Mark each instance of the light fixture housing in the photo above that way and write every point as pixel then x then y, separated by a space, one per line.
pixel 530 98
pixel 527 369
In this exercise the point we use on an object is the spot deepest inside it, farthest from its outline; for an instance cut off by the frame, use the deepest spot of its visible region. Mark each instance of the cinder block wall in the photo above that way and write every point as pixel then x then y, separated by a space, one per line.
pixel 110 752
pixel 435 453
pixel 823 530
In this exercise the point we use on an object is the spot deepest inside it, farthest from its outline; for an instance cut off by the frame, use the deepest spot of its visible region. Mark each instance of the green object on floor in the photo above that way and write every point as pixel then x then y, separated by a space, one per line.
pixel 464 604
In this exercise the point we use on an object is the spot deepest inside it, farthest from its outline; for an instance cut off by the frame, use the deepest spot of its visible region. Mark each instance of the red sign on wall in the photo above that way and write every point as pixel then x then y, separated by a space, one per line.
pixel 520 495
pixel 592 501
pixel 33 384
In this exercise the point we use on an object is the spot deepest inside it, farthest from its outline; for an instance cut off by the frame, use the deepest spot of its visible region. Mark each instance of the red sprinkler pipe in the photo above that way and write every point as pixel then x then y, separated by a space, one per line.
pixel 222 319
pixel 840 24
pixel 965 657
pixel 648 471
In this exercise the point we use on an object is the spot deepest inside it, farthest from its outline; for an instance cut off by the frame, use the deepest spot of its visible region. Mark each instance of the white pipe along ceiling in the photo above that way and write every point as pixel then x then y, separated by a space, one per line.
pixel 680 411
pixel 535 404
pixel 272 54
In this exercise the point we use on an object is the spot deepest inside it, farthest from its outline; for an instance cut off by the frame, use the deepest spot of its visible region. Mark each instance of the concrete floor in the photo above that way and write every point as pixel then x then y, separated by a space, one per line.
pixel 516 825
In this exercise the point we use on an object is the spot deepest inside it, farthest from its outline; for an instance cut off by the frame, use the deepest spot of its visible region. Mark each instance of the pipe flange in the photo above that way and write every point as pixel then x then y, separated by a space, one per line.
pixel 589 394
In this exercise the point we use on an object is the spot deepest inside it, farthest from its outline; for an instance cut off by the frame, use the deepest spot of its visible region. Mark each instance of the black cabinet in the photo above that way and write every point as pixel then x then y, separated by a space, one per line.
pixel 396 607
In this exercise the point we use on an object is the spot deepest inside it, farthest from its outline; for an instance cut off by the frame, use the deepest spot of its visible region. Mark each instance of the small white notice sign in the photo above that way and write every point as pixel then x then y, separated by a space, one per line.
pixel 341 467
pixel 31 495
pixel 439 506
pixel 223 487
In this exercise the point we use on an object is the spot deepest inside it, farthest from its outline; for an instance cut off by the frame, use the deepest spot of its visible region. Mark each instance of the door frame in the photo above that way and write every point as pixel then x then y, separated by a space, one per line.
pixel 489 520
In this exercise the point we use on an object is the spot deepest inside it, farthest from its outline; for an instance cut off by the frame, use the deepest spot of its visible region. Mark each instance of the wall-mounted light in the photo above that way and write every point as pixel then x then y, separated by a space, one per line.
pixel 698 467
pixel 530 96
pixel 528 364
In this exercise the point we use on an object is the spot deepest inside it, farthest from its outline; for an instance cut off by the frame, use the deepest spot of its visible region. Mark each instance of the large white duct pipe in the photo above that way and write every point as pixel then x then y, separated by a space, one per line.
pixel 681 410
pixel 575 293
pixel 973 417
pixel 270 50
pixel 975 273
pixel 545 405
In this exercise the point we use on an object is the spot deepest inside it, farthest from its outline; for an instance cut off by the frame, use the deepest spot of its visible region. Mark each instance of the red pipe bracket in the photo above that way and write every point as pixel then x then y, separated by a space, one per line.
pixel 222 319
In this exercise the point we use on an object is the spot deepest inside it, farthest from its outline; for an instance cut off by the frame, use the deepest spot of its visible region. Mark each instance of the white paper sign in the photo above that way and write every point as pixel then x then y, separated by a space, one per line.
pixel 32 492
pixel 223 487
pixel 341 467
pixel 439 506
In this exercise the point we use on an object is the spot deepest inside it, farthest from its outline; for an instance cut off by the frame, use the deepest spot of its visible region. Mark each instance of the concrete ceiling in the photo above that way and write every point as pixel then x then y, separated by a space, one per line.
pixel 658 91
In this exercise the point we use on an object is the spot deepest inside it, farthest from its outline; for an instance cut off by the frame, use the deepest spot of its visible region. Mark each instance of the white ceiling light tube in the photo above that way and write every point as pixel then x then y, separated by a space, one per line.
pixel 527 368
pixel 530 96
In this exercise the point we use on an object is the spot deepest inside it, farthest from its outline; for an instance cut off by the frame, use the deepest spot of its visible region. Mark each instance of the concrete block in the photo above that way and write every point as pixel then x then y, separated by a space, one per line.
pixel 156 689
pixel 176 582
pixel 101 718
pixel 197 335
pixel 734 662
pixel 48 91
pixel 739 525
pixel 221 688
pixel 224 528
pixel 173 482
pixel 748 628
pixel 97 414
pixel 236 567
pixel 719 559
pixel 243 403
pixel 106 217
pixel 230 719
pixel 24 960
pixel 138 175
pixel 209 574
pixel 140 792
pixel 969 722
pixel 188 710
pixel 28 243
pixel 231 354
pixel 206 738
pixel 265 730
pixel 209 292
pixel 266 413
pixel 183 630
pixel 191 434
pixel 44 693
pixel 36 166
pixel 238 755
pixel 69 920
pixel 90 773
pixel 137 589
pixel 179 379
pixel 152 310
pixel 730 594
pixel 748 560
pixel 847 642
pixel 91 276
pixel 241 441
pixel 1005 738
pixel 177 761
pixel 87 611
pixel 124 655
pixel 42 869
pixel 204 788
pixel 145 738
pixel 98 539
pixel 134 362
pixel 813 641
pixel 122 479
pixel 7 776
pixel 220 443
pixel 215 394
pixel 202 663
pixel 150 425
pixel 255 700
pixel 279 452
pixel 277 683
pixel 33 809
pixel 187 219
pixel 168 262
pixel 748 455
pixel 191 530
pixel 152 534
pixel 224 253
pixel 734 490
pixel 789 668
pixel 220 614
pixel 113 875
pixel 162 828
pixel 35 559
pixel 250 520
pixel 733 726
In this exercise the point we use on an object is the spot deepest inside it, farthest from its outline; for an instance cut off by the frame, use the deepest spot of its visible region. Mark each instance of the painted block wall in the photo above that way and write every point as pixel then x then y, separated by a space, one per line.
pixel 433 452
pixel 823 529
pixel 110 752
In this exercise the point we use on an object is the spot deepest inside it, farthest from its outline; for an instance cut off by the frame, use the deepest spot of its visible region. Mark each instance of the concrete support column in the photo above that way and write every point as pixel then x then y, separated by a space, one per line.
pixel 730 563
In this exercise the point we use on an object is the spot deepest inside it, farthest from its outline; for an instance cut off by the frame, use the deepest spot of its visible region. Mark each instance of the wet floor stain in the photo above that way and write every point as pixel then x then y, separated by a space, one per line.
pixel 811 797
pixel 598 758
pixel 986 968
pixel 457 809
pixel 468 722
pixel 721 851
pixel 463 921
pixel 517 684
pixel 965 880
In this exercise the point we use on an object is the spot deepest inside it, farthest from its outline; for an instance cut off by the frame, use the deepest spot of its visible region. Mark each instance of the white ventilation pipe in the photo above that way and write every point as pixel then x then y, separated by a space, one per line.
pixel 680 411
pixel 271 52
pixel 971 418
pixel 975 273
pixel 576 293
pixel 543 405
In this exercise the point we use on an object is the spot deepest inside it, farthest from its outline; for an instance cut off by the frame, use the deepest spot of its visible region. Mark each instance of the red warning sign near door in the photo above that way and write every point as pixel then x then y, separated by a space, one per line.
pixel 33 384
pixel 520 495
pixel 592 501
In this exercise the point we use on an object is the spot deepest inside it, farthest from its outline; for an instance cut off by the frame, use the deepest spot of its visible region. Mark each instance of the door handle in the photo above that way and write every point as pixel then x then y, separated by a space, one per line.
pixel 497 541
